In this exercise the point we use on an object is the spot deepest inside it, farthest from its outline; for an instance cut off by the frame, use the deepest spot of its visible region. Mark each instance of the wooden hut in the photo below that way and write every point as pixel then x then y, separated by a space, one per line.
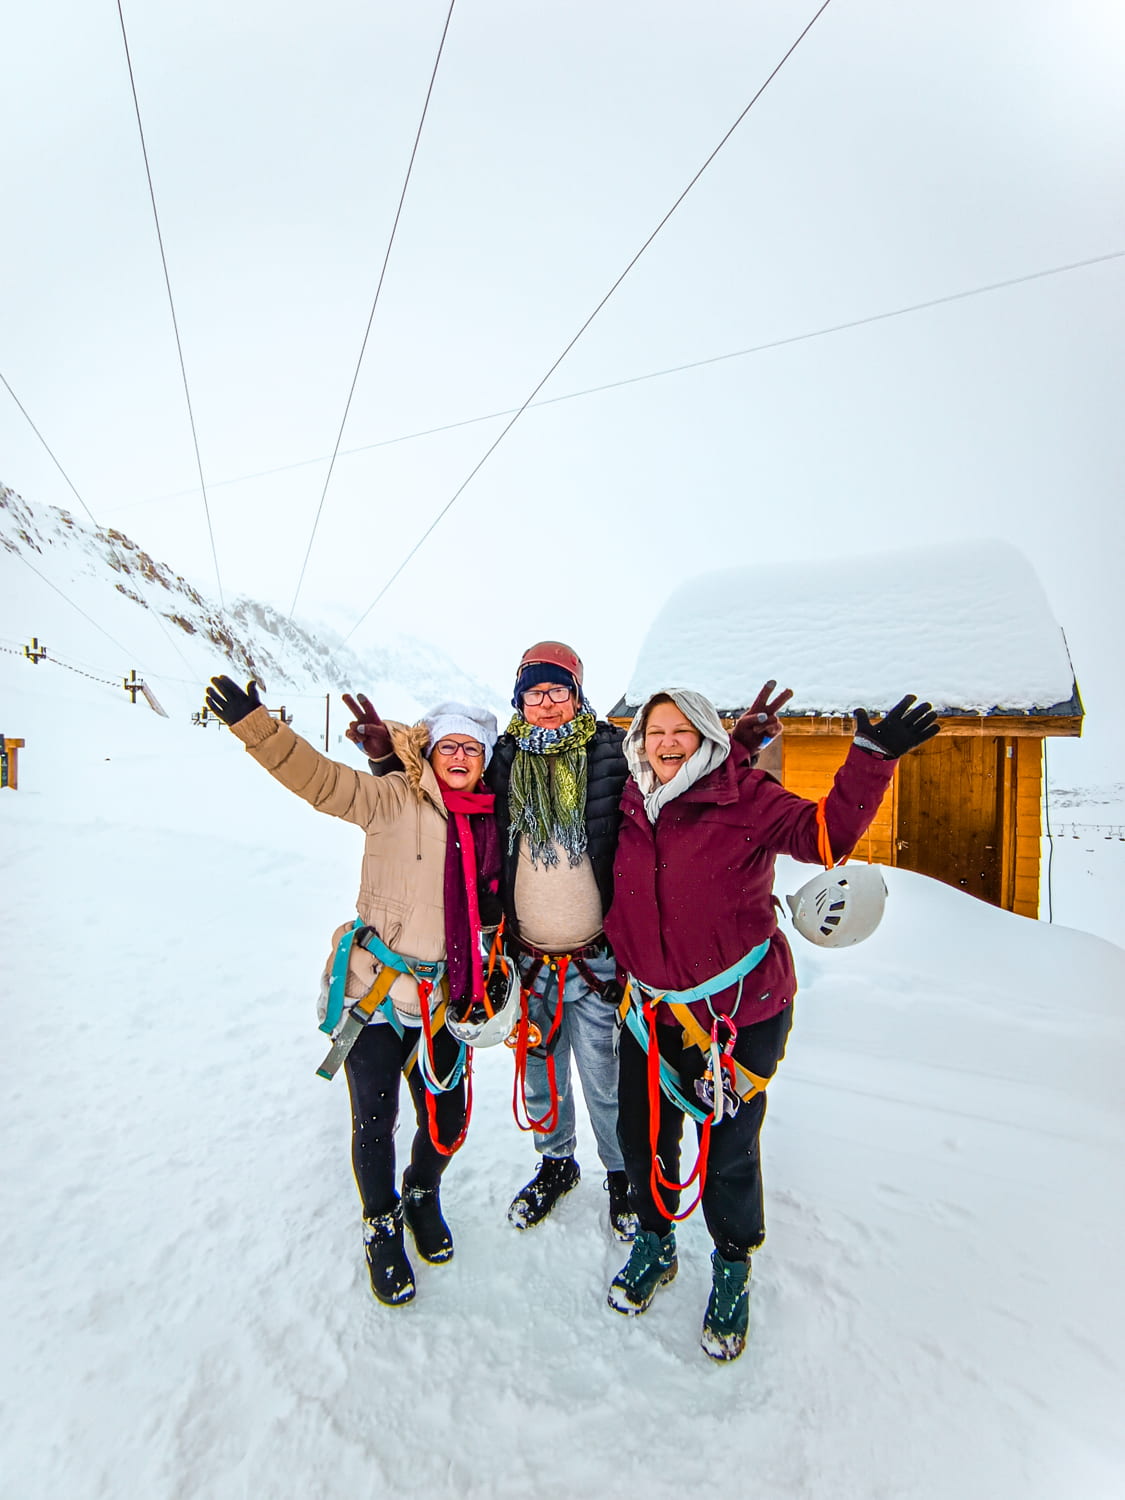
pixel 966 626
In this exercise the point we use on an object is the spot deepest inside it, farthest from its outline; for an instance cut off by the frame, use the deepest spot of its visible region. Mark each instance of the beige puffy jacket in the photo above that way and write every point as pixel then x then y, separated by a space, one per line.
pixel 402 814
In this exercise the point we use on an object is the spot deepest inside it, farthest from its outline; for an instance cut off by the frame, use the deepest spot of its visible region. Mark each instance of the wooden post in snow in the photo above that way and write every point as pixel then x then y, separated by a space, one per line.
pixel 9 762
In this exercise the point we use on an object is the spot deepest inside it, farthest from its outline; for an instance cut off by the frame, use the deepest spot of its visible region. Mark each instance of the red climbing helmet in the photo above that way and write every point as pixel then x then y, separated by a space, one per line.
pixel 555 654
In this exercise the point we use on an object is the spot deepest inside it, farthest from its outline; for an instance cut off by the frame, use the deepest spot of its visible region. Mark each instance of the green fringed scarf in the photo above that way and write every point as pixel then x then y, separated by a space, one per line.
pixel 547 791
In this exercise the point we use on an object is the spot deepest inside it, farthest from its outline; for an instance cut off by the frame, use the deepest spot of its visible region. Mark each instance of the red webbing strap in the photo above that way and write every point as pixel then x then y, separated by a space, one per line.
pixel 425 989
pixel 657 1179
pixel 431 1111
pixel 547 1123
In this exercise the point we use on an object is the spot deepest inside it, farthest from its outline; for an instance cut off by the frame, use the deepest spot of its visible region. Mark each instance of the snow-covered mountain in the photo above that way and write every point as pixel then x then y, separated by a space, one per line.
pixel 101 604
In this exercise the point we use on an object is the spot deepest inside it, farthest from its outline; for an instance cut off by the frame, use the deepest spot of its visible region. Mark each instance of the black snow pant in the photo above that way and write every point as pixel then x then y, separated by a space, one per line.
pixel 732 1195
pixel 374 1067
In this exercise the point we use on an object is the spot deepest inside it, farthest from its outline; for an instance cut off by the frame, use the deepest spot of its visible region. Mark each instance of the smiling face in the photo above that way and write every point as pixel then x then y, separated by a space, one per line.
pixel 458 769
pixel 548 715
pixel 670 739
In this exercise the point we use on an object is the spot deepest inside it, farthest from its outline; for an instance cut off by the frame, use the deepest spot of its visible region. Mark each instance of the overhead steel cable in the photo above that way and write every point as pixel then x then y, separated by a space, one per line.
pixel 171 304
pixel 79 608
pixel 196 680
pixel 491 449
pixel 50 454
pixel 374 305
pixel 693 364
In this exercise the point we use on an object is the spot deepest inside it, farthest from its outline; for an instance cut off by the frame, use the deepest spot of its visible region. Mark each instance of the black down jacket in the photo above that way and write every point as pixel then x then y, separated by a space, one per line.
pixel 606 773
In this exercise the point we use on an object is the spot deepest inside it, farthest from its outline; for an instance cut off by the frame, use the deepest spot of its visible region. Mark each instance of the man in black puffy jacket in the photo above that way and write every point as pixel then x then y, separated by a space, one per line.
pixel 558 774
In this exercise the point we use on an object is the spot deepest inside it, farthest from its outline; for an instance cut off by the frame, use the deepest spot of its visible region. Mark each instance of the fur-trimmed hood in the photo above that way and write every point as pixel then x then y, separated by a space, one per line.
pixel 409 743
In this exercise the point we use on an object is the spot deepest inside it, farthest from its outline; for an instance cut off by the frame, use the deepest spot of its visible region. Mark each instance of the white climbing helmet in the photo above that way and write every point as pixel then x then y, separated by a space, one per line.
pixel 839 907
pixel 478 1029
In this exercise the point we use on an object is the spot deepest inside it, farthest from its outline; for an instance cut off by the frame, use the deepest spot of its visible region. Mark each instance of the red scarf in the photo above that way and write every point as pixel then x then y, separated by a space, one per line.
pixel 470 813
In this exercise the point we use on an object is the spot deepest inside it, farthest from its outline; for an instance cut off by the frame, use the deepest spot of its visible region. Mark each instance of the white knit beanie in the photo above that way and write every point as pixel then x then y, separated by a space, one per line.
pixel 459 718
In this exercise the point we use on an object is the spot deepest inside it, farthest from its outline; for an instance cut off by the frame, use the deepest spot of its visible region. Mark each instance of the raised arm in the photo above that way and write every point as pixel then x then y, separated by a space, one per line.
pixel 789 823
pixel 325 784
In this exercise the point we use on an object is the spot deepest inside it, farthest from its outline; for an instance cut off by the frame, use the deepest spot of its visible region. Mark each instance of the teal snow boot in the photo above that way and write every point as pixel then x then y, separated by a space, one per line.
pixel 728 1308
pixel 652 1264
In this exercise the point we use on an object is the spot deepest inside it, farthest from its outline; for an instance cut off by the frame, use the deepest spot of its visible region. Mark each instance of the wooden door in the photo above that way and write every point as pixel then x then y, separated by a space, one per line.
pixel 951 824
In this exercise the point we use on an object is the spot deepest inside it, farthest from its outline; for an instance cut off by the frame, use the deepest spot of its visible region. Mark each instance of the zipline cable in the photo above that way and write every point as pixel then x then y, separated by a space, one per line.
pixel 374 305
pixel 50 455
pixel 574 340
pixel 694 364
pixel 171 304
pixel 81 611
pixel 195 681
pixel 100 528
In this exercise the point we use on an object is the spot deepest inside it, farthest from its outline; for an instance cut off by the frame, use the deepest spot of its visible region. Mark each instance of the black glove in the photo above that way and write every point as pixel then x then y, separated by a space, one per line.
pixel 228 702
pixel 902 729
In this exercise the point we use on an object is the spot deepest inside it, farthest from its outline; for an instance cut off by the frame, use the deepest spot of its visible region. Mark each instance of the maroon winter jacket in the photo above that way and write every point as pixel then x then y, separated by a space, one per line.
pixel 693 894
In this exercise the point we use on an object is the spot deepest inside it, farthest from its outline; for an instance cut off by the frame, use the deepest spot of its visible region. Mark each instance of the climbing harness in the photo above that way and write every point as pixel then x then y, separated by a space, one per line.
pixel 429 975
pixel 725 1083
pixel 528 1036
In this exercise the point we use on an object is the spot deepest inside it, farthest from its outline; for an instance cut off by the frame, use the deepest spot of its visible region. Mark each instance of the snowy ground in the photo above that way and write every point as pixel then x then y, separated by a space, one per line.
pixel 938 1311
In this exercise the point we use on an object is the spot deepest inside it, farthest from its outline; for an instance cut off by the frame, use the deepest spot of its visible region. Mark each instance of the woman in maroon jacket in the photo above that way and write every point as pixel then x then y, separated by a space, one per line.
pixel 711 979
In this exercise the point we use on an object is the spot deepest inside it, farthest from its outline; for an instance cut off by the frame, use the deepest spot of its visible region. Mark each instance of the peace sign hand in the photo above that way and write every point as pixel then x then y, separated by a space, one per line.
pixel 368 730
pixel 760 723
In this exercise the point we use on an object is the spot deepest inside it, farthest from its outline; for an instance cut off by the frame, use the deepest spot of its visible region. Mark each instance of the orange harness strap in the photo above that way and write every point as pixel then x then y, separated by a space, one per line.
pixel 823 843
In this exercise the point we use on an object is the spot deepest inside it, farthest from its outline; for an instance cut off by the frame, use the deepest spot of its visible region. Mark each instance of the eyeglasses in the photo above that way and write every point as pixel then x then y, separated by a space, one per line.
pixel 534 696
pixel 471 751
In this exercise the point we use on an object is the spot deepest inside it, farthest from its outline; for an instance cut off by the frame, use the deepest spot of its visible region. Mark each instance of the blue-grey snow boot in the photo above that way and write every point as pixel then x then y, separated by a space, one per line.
pixel 652 1264
pixel 392 1279
pixel 554 1176
pixel 728 1308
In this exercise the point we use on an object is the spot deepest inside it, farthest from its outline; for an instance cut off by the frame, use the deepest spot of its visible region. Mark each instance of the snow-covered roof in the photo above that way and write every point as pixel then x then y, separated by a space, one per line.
pixel 965 625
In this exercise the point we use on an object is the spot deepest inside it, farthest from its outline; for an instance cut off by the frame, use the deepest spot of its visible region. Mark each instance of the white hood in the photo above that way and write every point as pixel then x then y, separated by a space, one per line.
pixel 700 711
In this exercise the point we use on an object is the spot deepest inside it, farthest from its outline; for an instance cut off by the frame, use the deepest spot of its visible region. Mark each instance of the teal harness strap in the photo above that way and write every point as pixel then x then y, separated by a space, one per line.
pixel 338 975
pixel 338 979
pixel 440 1085
pixel 669 1078
pixel 421 968
pixel 709 987
pixel 634 1019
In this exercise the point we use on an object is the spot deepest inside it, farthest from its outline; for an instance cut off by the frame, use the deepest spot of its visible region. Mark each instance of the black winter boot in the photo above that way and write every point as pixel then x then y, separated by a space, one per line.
pixel 727 1318
pixel 622 1219
pixel 392 1280
pixel 652 1264
pixel 554 1176
pixel 421 1209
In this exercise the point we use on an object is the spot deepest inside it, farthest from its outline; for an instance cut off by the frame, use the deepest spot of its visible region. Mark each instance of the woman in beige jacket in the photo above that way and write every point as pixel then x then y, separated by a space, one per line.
pixel 428 887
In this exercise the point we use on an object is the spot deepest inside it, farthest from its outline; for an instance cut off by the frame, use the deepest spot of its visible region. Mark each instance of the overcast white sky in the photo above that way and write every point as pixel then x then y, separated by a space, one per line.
pixel 905 152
